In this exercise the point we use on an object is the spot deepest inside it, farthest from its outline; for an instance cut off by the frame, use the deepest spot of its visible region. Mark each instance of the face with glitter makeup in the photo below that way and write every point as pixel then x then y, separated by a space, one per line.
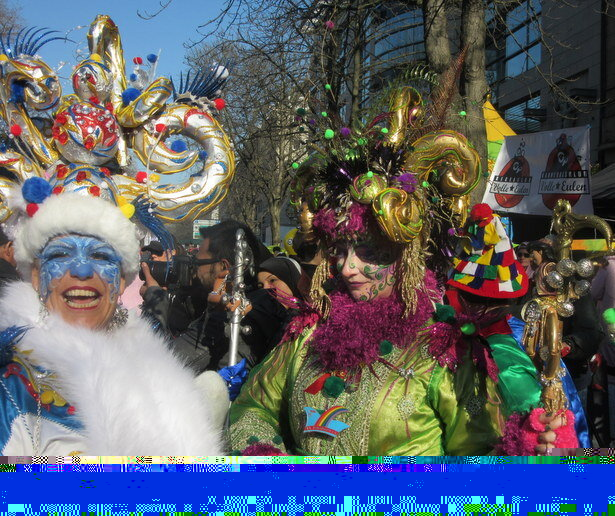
pixel 79 278
pixel 366 267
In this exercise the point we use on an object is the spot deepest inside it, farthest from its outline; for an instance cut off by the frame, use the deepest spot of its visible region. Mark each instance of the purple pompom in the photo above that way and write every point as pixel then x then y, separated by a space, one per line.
pixel 406 182
pixel 345 132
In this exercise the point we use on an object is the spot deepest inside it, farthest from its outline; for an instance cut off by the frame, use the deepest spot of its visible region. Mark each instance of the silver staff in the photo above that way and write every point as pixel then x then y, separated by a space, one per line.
pixel 238 297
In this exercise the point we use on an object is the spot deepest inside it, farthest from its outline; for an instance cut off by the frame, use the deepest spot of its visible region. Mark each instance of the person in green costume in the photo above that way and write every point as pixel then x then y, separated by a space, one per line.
pixel 377 366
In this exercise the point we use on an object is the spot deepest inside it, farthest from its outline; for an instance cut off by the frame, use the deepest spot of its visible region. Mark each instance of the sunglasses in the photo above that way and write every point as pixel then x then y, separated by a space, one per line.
pixel 205 261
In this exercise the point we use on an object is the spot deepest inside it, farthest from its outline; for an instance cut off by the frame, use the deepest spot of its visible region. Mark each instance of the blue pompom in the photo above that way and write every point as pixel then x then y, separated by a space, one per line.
pixel 179 146
pixel 152 58
pixel 35 190
pixel 133 77
pixel 129 94
pixel 3 147
pixel 203 155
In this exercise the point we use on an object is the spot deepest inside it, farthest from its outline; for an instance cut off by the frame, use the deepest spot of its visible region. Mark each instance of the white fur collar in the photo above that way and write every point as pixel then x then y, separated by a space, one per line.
pixel 130 392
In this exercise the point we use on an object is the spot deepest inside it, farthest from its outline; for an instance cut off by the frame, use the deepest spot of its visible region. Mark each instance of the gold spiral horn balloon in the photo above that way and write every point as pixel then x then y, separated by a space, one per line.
pixel 447 160
pixel 399 215
pixel 406 106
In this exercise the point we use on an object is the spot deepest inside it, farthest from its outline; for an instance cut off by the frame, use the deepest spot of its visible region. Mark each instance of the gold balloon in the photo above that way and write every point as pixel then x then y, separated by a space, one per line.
pixel 406 105
pixel 365 187
pixel 399 214
pixel 450 156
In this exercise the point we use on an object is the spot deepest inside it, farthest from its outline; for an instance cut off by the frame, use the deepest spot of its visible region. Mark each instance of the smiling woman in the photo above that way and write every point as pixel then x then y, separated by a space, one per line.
pixel 78 373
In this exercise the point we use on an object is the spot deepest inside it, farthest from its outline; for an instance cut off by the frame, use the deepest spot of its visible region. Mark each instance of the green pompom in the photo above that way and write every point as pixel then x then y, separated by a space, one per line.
pixel 486 174
pixel 329 134
pixel 301 128
pixel 327 87
pixel 301 111
pixel 380 212
pixel 425 184
pixel 609 316
pixel 386 346
pixel 277 439
pixel 462 113
pixel 445 314
pixel 370 174
pixel 334 386
pixel 295 165
pixel 384 130
pixel 253 439
pixel 362 141
pixel 468 328
pixel 324 114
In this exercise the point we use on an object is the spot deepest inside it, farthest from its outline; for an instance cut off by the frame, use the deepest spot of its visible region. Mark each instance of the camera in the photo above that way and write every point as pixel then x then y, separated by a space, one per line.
pixel 174 274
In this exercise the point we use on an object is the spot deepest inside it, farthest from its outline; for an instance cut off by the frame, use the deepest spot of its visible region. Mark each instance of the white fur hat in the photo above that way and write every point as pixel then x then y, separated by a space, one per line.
pixel 82 214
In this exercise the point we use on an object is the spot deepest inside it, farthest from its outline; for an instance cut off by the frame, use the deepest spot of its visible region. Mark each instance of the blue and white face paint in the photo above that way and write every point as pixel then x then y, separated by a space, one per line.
pixel 82 257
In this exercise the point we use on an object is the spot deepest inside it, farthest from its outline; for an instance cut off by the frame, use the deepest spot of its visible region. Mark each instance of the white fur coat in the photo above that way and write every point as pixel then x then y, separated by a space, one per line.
pixel 129 391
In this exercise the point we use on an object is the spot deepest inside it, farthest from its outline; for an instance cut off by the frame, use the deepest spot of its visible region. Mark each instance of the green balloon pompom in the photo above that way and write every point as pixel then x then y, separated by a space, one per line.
pixel 334 386
pixel 386 346
pixel 370 174
pixel 295 165
pixel 329 134
pixel 301 128
pixel 445 313
pixel 380 212
pixel 384 130
pixel 468 328
pixel 324 114
pixel 253 439
pixel 327 87
pixel 362 141
pixel 486 174
pixel 462 113
pixel 425 184
pixel 277 439
pixel 301 111
pixel 609 316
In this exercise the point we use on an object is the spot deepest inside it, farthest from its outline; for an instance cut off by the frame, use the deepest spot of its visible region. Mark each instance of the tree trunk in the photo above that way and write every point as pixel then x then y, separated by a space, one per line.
pixel 474 85
pixel 437 45
pixel 357 67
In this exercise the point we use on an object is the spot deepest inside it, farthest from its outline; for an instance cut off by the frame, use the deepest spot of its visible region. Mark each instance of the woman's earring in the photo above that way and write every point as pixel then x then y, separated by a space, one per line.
pixel 42 311
pixel 119 319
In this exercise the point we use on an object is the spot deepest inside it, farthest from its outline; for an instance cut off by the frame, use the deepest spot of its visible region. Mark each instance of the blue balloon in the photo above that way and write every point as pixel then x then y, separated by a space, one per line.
pixel 152 58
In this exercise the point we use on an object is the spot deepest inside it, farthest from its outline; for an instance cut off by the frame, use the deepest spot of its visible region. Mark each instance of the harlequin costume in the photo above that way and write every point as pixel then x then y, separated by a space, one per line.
pixel 381 377
pixel 486 268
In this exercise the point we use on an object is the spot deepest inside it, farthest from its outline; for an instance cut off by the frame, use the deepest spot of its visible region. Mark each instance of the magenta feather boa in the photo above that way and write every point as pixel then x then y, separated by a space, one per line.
pixel 351 335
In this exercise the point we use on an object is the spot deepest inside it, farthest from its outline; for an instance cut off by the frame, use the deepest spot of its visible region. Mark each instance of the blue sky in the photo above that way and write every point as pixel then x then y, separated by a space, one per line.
pixel 168 31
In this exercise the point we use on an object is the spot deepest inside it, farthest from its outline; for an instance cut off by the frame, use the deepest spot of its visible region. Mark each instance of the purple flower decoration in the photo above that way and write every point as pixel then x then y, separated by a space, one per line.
pixel 406 182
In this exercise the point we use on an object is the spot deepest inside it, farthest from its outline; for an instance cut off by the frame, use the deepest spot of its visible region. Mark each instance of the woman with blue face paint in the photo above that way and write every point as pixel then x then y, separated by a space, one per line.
pixel 78 373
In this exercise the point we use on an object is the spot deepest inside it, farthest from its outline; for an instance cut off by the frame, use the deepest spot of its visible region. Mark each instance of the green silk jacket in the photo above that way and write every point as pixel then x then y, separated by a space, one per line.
pixel 409 406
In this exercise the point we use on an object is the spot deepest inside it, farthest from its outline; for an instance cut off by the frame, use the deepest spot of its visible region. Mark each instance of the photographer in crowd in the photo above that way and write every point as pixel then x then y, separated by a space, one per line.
pixel 205 343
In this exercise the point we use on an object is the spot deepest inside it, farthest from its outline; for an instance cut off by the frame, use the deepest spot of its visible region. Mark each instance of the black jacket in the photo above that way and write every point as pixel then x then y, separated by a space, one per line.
pixel 205 344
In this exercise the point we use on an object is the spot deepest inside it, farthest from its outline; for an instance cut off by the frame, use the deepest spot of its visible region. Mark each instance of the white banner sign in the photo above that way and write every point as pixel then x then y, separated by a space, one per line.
pixel 534 170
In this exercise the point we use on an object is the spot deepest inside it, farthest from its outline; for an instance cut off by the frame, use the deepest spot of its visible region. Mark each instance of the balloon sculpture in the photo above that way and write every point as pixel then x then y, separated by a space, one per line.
pixel 82 141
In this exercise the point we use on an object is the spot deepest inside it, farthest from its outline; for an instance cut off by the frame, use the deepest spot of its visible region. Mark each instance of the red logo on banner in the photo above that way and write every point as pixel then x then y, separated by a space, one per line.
pixel 516 168
pixel 561 159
